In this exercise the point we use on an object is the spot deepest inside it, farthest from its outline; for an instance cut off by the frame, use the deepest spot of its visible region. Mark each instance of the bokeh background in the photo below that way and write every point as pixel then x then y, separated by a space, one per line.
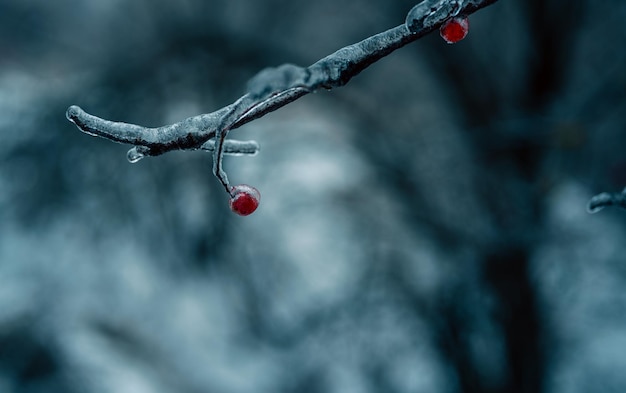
pixel 422 229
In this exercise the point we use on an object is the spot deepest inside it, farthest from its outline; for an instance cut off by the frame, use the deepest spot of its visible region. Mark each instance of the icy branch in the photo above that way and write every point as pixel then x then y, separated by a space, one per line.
pixel 271 89
pixel 606 199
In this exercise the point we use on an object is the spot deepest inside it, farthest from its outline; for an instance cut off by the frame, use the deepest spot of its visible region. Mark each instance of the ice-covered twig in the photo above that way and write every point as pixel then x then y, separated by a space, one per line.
pixel 606 199
pixel 271 89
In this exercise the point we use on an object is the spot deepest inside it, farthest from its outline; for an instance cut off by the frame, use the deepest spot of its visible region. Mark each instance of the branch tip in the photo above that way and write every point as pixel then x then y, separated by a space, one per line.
pixel 73 112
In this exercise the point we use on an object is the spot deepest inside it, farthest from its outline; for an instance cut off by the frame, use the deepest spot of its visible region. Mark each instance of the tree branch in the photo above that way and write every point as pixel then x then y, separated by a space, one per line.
pixel 271 89
pixel 606 199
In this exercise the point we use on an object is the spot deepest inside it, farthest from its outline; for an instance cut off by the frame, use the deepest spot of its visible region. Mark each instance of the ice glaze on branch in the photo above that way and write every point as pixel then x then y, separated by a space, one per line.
pixel 271 89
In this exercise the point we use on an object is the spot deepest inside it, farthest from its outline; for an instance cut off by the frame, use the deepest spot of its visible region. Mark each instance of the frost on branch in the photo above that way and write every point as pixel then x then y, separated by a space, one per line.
pixel 606 199
pixel 271 89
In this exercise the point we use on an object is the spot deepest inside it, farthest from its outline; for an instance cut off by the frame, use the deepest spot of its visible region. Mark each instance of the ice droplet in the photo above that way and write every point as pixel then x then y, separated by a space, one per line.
pixel 135 154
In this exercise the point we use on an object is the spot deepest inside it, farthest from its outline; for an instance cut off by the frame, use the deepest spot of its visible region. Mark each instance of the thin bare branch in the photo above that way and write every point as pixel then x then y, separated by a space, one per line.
pixel 606 199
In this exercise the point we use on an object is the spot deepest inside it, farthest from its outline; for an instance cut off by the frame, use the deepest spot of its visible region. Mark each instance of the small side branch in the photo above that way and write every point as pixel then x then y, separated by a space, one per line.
pixel 606 199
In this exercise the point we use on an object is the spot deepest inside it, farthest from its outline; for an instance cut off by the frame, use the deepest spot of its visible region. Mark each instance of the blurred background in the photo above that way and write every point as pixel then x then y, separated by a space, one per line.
pixel 422 229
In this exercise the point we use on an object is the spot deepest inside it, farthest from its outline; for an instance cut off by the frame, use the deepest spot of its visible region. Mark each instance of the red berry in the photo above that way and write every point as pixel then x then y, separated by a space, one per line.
pixel 244 199
pixel 454 29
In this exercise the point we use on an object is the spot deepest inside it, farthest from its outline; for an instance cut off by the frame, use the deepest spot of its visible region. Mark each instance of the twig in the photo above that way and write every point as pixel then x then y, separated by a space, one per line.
pixel 271 89
pixel 606 199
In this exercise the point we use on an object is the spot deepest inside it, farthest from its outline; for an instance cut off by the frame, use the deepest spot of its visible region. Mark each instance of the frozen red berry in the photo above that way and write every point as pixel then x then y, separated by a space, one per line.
pixel 455 29
pixel 244 199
